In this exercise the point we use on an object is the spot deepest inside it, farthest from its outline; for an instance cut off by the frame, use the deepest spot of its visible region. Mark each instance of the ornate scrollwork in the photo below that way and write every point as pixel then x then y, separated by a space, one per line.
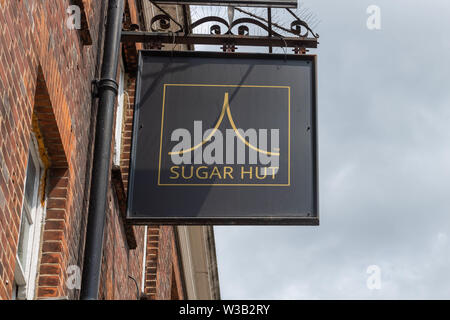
pixel 163 20
pixel 296 28
pixel 215 28
pixel 242 26
pixel 241 23
pixel 225 29
pixel 244 21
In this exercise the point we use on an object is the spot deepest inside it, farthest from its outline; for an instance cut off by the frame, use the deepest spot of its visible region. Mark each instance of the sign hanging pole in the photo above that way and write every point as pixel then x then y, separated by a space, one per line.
pixel 208 39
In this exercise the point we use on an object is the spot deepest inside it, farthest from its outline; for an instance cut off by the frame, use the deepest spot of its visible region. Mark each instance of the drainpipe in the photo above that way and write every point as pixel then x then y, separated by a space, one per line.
pixel 107 93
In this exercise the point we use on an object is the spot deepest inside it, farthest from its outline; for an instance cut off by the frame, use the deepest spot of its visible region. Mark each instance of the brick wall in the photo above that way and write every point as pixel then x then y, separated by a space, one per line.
pixel 151 261
pixel 45 74
pixel 163 275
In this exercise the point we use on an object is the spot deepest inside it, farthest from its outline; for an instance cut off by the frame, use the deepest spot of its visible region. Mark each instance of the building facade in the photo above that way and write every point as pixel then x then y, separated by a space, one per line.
pixel 50 52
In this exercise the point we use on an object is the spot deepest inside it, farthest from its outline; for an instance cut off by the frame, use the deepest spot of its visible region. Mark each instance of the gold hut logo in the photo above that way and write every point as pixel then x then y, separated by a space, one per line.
pixel 224 153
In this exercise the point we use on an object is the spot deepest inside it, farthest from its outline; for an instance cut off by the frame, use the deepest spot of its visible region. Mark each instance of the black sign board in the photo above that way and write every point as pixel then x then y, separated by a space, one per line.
pixel 239 3
pixel 224 139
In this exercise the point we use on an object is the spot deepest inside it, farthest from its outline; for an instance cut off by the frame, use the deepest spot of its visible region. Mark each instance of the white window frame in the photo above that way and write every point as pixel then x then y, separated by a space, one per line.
pixel 25 275
pixel 119 117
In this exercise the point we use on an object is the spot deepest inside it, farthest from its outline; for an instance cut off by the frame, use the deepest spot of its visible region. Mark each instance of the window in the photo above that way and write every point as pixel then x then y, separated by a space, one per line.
pixel 30 229
pixel 119 117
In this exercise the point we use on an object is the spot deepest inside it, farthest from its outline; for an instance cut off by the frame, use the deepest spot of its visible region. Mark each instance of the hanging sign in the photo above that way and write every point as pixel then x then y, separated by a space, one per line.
pixel 224 139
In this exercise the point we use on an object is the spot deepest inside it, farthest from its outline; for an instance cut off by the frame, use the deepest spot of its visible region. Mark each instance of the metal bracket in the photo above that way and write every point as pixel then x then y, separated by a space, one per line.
pixel 296 34
pixel 103 84
pixel 228 48
pixel 221 39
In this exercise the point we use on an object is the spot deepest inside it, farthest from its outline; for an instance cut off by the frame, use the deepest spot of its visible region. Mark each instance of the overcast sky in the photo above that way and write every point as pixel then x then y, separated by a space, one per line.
pixel 384 158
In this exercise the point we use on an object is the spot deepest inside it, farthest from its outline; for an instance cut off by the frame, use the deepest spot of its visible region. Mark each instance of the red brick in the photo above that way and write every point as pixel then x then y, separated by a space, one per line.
pixel 47 292
pixel 50 281
pixel 53 269
pixel 50 80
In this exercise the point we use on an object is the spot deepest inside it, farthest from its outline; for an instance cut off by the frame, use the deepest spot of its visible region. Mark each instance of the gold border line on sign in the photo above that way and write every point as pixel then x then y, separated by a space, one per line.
pixel 226 106
pixel 166 85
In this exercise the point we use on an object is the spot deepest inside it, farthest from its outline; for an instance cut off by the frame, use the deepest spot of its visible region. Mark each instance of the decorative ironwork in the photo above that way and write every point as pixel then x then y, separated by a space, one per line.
pixel 241 23
pixel 228 32
pixel 295 27
pixel 298 23
pixel 164 20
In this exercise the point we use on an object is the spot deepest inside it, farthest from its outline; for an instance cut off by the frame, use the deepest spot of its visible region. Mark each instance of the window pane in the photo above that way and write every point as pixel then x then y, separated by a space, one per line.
pixel 119 119
pixel 31 182
pixel 23 239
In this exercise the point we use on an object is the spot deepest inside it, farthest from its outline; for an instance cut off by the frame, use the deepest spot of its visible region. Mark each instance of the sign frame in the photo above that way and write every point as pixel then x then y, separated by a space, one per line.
pixel 310 218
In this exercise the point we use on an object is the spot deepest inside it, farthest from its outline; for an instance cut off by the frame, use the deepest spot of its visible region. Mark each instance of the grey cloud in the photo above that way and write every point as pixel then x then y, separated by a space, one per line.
pixel 384 144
